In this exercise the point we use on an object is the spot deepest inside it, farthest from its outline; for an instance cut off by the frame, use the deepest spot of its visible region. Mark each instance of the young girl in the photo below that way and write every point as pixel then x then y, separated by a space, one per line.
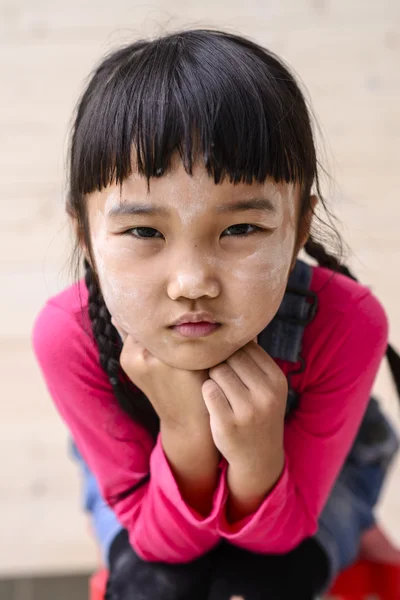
pixel 192 178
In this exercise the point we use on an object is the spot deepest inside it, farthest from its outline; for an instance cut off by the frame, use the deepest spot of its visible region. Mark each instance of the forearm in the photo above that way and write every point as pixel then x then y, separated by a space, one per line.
pixel 248 489
pixel 194 460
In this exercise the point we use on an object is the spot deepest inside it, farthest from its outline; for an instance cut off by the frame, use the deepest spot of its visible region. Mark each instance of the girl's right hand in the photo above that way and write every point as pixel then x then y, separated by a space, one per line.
pixel 174 393
pixel 177 398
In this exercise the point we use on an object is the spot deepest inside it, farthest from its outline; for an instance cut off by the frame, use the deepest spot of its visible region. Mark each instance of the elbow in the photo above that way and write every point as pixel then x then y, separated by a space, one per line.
pixel 166 553
pixel 308 527
pixel 307 522
pixel 297 528
pixel 153 544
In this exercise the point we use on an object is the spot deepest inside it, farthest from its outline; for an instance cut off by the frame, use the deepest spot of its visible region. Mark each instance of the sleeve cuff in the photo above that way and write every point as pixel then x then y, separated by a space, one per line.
pixel 168 486
pixel 264 516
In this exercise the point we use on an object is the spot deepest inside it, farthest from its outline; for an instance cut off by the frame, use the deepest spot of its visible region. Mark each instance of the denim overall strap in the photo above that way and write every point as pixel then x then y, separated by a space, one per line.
pixel 282 338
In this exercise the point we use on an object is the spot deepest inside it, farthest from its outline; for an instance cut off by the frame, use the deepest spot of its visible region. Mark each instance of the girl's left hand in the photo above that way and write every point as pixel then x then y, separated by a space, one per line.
pixel 246 398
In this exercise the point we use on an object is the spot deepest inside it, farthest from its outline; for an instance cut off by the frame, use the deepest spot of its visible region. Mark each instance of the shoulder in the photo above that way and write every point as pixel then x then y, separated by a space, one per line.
pixel 350 326
pixel 62 335
pixel 68 357
pixel 62 314
pixel 343 299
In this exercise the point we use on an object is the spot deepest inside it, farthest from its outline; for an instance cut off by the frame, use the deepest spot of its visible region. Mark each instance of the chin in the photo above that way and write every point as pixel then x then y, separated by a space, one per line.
pixel 194 361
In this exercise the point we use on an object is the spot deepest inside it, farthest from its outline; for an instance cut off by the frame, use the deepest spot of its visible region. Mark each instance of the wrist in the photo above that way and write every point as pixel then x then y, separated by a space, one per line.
pixel 192 447
pixel 194 461
pixel 186 426
pixel 191 434
pixel 249 488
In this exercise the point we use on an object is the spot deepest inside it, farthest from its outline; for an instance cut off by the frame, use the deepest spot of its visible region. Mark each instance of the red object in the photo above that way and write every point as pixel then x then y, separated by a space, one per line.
pixel 97 585
pixel 366 578
pixel 358 582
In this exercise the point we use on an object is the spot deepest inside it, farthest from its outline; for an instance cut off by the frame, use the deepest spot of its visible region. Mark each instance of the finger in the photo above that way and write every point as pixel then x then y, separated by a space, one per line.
pixel 232 387
pixel 215 400
pixel 229 381
pixel 248 371
pixel 260 357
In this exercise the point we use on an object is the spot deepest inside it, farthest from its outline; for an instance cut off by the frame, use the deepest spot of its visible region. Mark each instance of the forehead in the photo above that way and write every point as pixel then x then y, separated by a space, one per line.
pixel 186 194
pixel 200 180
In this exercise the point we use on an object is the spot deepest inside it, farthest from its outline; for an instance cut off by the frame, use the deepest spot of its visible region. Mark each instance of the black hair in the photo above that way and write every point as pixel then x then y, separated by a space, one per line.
pixel 202 94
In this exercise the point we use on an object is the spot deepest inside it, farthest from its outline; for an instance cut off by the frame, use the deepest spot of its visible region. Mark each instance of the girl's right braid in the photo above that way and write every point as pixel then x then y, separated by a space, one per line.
pixel 103 330
pixel 131 400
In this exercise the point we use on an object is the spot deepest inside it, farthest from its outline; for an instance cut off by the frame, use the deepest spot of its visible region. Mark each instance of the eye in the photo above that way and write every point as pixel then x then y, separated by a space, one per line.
pixel 239 230
pixel 143 233
pixel 242 230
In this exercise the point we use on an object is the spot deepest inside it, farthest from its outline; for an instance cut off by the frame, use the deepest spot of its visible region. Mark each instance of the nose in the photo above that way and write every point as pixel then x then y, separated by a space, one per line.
pixel 192 277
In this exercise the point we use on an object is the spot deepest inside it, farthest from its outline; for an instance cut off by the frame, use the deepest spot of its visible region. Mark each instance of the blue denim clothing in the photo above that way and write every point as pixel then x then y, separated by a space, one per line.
pixel 104 522
pixel 349 509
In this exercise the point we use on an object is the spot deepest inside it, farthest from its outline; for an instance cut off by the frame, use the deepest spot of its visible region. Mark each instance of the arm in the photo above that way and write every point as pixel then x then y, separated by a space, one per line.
pixel 160 523
pixel 248 490
pixel 345 361
pixel 193 459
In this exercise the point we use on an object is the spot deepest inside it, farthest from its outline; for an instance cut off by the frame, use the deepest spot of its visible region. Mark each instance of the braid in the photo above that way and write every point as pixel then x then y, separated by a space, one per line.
pixel 102 328
pixel 132 401
pixel 318 252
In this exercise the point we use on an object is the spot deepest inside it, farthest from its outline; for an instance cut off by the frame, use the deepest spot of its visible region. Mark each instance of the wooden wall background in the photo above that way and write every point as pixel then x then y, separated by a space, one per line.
pixel 347 53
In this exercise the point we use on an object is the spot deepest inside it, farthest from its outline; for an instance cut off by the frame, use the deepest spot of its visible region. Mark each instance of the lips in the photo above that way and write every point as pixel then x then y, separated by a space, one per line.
pixel 196 330
pixel 189 318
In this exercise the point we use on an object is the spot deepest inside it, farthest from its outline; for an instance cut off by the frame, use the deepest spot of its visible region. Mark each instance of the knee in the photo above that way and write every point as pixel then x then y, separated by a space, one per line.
pixel 132 577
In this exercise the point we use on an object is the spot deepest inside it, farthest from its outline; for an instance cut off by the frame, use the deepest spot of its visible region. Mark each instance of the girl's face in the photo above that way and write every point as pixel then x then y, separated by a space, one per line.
pixel 188 245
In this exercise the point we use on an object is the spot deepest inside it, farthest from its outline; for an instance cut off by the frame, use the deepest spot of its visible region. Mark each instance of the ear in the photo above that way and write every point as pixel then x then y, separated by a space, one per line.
pixel 304 228
pixel 80 238
pixel 78 233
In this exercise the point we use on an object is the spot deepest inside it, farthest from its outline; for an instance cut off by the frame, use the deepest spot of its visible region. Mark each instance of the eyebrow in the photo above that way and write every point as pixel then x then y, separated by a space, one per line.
pixel 125 209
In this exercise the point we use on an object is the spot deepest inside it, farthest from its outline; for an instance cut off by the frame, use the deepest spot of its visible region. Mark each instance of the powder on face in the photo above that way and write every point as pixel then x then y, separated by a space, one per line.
pixel 190 266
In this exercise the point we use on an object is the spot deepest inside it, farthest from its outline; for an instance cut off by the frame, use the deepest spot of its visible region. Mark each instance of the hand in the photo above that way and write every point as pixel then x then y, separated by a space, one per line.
pixel 246 398
pixel 174 393
pixel 184 421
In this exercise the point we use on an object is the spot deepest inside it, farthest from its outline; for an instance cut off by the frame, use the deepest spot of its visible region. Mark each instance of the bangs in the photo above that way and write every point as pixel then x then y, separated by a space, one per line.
pixel 205 95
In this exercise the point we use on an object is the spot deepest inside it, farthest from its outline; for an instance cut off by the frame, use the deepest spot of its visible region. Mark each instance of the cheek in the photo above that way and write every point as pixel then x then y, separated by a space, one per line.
pixel 128 292
pixel 260 282
pixel 267 269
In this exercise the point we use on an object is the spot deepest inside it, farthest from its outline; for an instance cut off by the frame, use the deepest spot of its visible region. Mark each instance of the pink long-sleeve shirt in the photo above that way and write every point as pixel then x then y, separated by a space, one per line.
pixel 342 347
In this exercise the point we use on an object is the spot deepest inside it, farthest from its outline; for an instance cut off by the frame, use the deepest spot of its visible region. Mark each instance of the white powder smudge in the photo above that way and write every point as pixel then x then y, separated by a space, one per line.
pixel 112 200
pixel 120 294
pixel 237 321
pixel 272 261
pixel 190 285
pixel 190 204
pixel 291 202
